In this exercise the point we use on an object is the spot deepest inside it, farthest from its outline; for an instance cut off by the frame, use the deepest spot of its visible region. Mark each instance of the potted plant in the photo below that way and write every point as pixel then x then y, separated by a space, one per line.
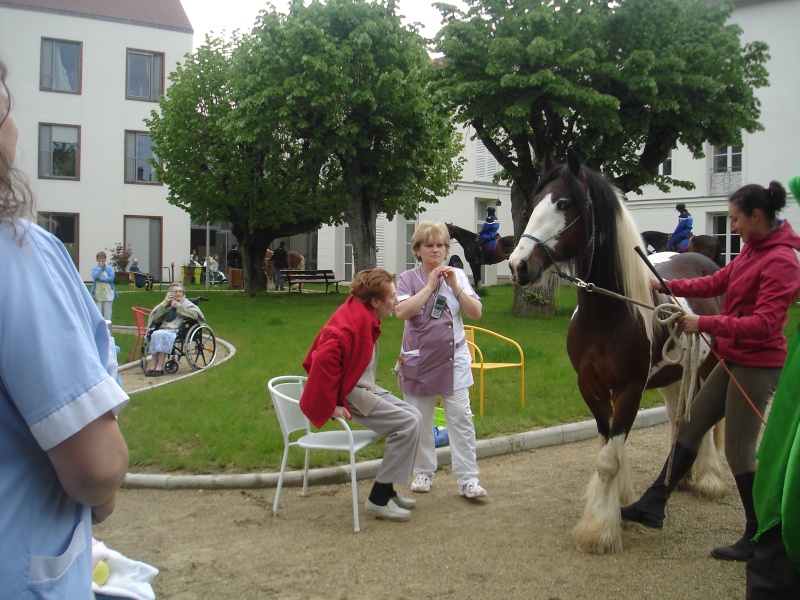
pixel 118 257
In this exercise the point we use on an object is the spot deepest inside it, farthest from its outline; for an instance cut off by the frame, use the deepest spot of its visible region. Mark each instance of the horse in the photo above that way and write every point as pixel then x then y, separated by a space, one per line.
pixel 296 261
pixel 468 240
pixel 578 222
pixel 656 241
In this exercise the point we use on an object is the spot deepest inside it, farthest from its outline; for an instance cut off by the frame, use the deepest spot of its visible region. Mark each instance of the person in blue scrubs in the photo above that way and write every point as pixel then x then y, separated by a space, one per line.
pixel 62 455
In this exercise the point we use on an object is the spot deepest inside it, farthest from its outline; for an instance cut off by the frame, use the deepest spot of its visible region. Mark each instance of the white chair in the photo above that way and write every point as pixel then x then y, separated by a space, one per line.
pixel 286 392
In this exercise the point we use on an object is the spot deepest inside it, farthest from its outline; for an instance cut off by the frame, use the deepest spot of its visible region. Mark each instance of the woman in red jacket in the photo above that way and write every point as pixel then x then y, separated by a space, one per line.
pixel 341 383
pixel 759 285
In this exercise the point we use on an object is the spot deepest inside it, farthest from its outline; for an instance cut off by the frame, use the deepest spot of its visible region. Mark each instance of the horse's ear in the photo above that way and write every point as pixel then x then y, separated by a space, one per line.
pixel 548 163
pixel 574 164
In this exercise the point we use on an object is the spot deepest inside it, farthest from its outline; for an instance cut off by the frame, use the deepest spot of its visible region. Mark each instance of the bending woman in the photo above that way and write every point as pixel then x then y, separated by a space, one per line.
pixel 759 285
pixel 167 317
pixel 341 383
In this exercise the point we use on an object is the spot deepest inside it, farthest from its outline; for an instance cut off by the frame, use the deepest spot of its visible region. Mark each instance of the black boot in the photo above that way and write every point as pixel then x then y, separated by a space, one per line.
pixel 649 509
pixel 743 549
pixel 479 260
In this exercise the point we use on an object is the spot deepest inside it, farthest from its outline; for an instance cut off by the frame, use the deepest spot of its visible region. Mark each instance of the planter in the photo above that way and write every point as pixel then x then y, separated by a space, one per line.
pixel 190 274
pixel 121 278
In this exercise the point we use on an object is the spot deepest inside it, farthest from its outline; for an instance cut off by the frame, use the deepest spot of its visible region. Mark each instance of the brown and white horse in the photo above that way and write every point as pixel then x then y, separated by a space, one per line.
pixel 578 223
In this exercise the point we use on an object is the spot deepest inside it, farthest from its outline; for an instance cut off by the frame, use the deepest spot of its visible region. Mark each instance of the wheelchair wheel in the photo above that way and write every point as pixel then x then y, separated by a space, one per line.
pixel 200 347
pixel 143 359
pixel 171 366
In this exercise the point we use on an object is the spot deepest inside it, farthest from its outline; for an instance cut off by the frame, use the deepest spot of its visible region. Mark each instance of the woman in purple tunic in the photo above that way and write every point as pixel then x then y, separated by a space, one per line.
pixel 435 359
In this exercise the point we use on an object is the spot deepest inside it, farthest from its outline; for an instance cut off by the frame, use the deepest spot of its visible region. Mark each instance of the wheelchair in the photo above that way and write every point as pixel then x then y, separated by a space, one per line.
pixel 195 342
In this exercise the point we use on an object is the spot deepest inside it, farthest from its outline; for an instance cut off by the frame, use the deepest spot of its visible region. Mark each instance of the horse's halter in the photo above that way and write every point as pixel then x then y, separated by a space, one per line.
pixel 543 243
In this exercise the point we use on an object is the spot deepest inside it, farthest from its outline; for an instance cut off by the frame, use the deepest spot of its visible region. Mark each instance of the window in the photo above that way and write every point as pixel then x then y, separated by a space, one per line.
pixel 665 168
pixel 730 244
pixel 143 235
pixel 485 164
pixel 145 75
pixel 61 66
pixel 411 262
pixel 65 227
pixel 59 151
pixel 137 152
pixel 726 170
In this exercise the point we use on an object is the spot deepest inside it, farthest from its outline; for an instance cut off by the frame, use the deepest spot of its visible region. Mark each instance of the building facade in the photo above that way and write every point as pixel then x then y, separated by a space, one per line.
pixel 84 75
pixel 771 154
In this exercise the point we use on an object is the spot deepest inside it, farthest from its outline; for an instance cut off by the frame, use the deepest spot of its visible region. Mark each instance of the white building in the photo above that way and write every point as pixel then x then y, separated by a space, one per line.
pixel 84 74
pixel 771 154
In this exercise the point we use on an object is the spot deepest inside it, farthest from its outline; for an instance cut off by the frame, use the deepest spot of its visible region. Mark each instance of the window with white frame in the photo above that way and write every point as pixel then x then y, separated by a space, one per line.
pixel 59 151
pixel 485 164
pixel 726 170
pixel 60 66
pixel 137 152
pixel 729 243
pixel 665 168
pixel 411 262
pixel 145 80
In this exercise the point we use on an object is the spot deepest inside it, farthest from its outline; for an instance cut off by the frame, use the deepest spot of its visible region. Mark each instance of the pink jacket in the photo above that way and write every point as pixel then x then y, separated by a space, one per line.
pixel 759 286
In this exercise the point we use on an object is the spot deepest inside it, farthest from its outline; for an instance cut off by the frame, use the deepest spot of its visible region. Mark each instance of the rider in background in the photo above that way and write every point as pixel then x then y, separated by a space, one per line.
pixel 683 229
pixel 490 231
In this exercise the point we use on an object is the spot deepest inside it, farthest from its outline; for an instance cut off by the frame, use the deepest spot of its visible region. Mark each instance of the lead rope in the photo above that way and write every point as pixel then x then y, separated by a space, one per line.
pixel 684 349
pixel 676 350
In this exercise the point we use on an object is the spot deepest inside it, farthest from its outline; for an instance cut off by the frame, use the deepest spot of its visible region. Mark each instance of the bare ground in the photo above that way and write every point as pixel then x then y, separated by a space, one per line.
pixel 226 545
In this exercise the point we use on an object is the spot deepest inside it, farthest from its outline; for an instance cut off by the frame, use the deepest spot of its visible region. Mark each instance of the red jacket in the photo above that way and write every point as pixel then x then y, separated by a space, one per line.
pixel 338 357
pixel 759 286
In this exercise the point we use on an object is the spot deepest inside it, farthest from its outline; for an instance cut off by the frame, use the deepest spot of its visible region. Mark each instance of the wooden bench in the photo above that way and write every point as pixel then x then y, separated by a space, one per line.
pixel 325 276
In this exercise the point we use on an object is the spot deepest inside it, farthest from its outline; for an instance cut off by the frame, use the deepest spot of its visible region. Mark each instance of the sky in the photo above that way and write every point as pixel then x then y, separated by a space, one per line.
pixel 216 16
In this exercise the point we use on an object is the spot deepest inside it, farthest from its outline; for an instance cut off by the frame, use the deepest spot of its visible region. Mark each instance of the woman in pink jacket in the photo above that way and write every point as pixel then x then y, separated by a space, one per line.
pixel 759 285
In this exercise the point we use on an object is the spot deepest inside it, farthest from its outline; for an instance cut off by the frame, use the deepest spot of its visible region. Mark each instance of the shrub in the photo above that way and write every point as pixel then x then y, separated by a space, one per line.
pixel 119 257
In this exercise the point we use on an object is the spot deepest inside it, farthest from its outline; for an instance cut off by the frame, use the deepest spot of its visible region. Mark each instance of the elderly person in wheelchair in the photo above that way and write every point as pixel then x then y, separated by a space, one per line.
pixel 166 321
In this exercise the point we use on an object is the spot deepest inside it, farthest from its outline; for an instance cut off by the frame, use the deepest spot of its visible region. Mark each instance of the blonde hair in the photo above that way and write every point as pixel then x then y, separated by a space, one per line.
pixel 430 232
pixel 371 284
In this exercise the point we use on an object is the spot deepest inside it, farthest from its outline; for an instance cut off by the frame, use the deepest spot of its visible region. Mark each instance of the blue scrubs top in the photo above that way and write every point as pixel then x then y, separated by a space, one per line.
pixel 55 350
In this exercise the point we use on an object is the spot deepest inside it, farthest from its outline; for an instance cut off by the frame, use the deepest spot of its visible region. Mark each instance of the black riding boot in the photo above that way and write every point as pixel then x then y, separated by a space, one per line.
pixel 649 509
pixel 479 260
pixel 743 549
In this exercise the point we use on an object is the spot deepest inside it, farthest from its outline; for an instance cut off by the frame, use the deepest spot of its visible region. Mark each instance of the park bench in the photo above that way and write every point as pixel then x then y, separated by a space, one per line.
pixel 325 276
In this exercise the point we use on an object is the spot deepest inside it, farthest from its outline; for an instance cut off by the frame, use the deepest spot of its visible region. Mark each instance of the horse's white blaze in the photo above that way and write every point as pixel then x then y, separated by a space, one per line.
pixel 544 223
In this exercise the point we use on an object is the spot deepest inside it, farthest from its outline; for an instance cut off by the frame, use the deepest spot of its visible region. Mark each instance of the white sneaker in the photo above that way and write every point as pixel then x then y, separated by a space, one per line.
pixel 390 512
pixel 422 483
pixel 472 489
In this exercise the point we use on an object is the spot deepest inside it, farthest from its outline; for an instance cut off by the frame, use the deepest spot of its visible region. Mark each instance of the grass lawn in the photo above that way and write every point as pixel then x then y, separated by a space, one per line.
pixel 223 421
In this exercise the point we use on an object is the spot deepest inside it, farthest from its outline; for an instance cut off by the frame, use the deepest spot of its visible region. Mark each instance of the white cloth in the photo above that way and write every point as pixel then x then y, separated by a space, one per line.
pixel 127 578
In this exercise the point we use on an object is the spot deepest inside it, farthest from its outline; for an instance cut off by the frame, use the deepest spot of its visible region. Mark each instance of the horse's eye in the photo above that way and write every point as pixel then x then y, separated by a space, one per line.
pixel 563 205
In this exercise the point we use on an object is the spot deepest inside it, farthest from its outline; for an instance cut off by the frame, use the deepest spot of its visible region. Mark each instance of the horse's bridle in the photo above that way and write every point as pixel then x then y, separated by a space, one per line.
pixel 543 243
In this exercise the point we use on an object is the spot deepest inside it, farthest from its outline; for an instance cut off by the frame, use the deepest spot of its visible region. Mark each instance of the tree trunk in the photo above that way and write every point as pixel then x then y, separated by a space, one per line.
pixel 362 218
pixel 253 247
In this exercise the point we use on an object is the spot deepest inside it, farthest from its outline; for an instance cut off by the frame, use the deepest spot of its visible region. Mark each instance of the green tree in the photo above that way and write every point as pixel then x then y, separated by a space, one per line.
pixel 215 175
pixel 348 88
pixel 621 83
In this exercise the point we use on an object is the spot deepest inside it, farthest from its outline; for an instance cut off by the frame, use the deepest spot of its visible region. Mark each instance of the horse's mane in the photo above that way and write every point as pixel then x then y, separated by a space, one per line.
pixel 616 237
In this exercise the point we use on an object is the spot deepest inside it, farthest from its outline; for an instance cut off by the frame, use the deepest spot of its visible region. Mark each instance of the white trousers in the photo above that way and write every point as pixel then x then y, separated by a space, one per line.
pixel 105 308
pixel 460 431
